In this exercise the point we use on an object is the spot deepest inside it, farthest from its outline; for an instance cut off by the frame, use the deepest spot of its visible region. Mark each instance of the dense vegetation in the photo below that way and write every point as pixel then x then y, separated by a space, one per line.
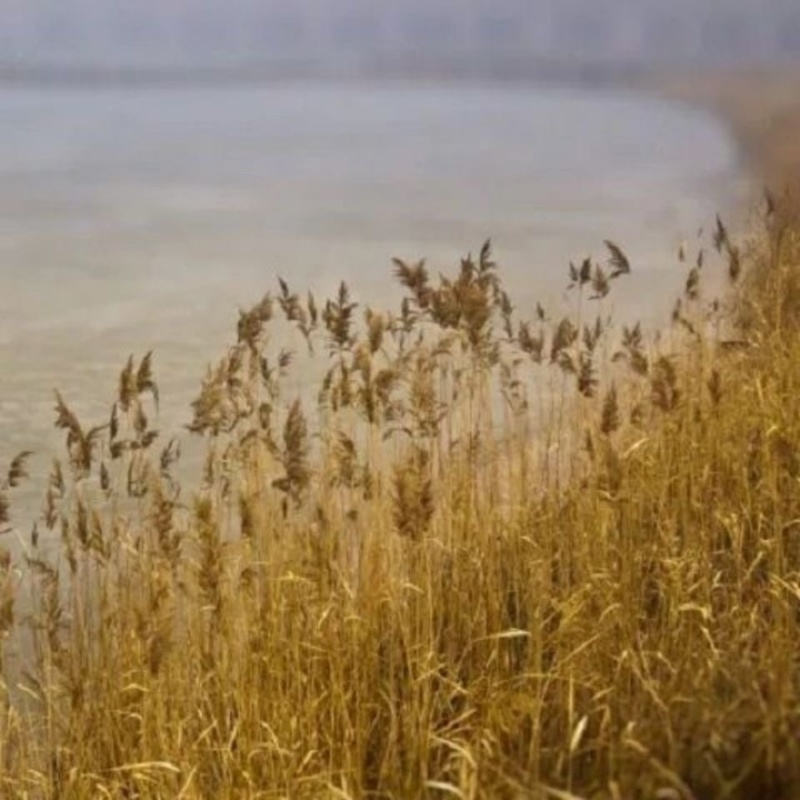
pixel 489 557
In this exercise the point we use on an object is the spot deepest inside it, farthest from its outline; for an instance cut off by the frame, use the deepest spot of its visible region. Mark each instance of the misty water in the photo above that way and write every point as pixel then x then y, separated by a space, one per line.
pixel 141 219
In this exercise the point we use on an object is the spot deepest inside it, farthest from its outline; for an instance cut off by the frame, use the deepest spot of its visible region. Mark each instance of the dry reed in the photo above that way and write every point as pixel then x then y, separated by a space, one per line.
pixel 501 557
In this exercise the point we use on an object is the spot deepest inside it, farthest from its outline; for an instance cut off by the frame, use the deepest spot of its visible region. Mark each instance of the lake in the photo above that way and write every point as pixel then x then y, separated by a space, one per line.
pixel 138 219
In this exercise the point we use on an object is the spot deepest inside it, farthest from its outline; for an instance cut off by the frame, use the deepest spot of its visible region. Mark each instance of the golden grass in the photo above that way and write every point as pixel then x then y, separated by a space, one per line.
pixel 493 557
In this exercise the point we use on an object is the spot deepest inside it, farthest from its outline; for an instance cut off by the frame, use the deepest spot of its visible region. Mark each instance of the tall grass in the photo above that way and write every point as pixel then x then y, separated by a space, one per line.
pixel 492 557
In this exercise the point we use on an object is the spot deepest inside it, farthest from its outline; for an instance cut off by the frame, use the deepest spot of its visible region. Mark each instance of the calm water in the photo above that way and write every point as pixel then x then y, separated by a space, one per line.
pixel 132 220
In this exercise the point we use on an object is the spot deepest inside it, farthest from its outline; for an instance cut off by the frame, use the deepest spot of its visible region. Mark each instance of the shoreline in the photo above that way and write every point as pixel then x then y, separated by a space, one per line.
pixel 760 109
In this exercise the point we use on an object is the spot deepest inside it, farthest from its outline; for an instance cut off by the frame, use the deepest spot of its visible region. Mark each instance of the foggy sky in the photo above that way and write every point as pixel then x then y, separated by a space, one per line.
pixel 210 31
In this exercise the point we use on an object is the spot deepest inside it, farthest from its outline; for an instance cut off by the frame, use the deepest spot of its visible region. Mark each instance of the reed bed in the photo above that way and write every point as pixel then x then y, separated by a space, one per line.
pixel 494 554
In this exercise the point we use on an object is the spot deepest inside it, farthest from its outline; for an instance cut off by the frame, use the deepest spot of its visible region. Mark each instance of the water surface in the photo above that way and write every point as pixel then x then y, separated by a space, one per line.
pixel 139 219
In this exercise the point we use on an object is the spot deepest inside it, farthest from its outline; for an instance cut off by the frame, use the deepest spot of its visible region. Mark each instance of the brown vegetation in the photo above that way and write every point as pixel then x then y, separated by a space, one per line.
pixel 494 557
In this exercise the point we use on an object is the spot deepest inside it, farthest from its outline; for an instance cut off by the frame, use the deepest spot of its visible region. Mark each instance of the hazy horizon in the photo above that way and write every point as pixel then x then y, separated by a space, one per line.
pixel 122 33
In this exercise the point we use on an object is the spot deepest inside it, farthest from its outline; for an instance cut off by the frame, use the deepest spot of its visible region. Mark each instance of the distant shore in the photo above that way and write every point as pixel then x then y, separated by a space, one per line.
pixel 414 66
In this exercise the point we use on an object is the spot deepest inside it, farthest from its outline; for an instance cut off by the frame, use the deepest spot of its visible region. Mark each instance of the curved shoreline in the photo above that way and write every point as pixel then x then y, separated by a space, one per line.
pixel 760 108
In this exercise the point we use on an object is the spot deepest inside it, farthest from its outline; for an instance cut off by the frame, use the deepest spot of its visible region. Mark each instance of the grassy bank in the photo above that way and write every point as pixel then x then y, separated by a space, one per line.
pixel 498 554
